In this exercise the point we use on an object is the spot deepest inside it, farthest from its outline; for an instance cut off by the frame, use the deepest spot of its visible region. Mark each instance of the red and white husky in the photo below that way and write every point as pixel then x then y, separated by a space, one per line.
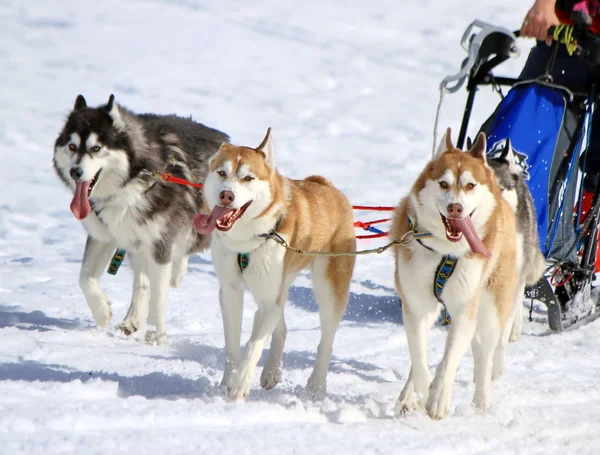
pixel 246 198
pixel 457 199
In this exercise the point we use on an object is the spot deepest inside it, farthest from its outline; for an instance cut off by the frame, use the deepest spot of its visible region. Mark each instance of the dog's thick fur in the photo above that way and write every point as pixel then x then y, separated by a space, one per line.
pixel 480 295
pixel 113 151
pixel 516 192
pixel 310 214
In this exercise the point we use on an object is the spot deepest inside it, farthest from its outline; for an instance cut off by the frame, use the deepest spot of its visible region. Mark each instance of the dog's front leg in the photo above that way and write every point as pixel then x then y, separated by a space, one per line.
pixel 95 259
pixel 267 316
pixel 138 309
pixel 231 299
pixel 418 320
pixel 159 276
pixel 459 337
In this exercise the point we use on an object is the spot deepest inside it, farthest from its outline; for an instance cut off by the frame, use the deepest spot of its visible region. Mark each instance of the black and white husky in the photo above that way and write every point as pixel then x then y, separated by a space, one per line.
pixel 511 178
pixel 108 157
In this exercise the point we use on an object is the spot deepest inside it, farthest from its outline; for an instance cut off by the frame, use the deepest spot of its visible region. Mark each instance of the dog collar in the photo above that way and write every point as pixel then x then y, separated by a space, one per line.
pixel 418 235
pixel 243 259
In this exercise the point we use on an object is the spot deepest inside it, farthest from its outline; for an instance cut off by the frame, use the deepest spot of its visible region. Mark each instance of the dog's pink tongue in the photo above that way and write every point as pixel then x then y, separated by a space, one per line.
pixel 465 225
pixel 205 224
pixel 80 205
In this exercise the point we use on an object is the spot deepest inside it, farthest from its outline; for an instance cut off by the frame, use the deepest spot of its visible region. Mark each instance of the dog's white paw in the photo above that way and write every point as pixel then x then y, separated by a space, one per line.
pixel 156 339
pixel 240 384
pixel 270 377
pixel 228 373
pixel 316 386
pixel 409 401
pixel 101 312
pixel 481 400
pixel 439 401
pixel 129 326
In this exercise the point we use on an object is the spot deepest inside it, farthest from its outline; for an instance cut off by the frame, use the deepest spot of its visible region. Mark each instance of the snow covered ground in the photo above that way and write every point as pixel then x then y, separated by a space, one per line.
pixel 350 89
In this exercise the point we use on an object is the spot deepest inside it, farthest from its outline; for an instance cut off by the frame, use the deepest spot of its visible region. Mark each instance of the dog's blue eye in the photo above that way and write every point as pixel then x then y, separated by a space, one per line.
pixel 222 173
pixel 72 147
pixel 443 185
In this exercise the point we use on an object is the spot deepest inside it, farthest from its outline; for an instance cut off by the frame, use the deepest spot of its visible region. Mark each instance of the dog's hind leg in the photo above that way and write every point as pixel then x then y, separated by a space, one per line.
pixel 484 345
pixel 95 260
pixel 179 270
pixel 159 276
pixel 517 325
pixel 271 374
pixel 331 286
pixel 138 309
pixel 512 326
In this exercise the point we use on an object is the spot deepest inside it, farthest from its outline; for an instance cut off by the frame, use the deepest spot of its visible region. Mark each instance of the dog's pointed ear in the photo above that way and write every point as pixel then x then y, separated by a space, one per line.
pixel 446 143
pixel 479 149
pixel 113 112
pixel 80 103
pixel 266 148
pixel 507 152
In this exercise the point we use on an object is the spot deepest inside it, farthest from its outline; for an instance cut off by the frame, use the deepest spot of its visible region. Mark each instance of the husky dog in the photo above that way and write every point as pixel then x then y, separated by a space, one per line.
pixel 514 189
pixel 106 156
pixel 248 198
pixel 457 201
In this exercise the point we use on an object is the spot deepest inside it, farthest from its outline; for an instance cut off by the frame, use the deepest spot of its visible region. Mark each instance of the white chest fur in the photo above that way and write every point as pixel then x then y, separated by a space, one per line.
pixel 417 277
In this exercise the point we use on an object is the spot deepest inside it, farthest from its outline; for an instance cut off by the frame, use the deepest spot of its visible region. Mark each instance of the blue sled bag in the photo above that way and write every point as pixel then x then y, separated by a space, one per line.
pixel 541 126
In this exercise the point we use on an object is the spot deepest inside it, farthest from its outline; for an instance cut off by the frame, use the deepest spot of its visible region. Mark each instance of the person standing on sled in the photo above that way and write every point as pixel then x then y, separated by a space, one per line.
pixel 568 70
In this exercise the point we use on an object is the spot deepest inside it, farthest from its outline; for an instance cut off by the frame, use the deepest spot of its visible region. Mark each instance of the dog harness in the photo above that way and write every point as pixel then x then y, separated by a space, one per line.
pixel 443 272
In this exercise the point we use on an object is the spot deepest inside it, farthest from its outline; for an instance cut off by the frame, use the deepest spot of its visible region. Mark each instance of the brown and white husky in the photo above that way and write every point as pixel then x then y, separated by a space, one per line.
pixel 246 198
pixel 458 201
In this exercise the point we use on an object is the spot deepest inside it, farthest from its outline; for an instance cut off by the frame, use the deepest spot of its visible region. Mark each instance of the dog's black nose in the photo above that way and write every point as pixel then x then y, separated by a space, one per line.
pixel 76 172
pixel 226 198
pixel 455 210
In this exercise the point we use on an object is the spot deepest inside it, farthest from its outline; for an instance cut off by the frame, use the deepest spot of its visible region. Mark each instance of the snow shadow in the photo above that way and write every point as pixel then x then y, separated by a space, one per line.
pixel 362 308
pixel 10 316
pixel 151 385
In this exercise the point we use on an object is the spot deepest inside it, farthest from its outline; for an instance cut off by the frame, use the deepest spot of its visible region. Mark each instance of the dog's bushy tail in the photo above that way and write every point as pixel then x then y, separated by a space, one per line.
pixel 318 179
pixel 535 270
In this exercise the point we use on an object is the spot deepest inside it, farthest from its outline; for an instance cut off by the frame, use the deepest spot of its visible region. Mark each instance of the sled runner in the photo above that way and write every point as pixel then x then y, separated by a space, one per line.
pixel 549 128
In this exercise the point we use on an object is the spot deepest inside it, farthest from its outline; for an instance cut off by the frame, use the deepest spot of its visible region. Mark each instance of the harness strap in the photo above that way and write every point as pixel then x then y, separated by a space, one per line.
pixel 418 235
pixel 116 262
pixel 443 272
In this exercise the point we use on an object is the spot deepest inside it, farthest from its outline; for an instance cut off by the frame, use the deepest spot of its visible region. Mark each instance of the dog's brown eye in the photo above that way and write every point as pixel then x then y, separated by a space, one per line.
pixel 443 185
pixel 248 178
pixel 470 186
pixel 72 147
pixel 95 149
pixel 222 173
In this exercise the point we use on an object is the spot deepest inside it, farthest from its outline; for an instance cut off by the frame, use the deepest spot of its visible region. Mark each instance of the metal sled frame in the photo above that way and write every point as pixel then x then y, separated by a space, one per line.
pixel 487 50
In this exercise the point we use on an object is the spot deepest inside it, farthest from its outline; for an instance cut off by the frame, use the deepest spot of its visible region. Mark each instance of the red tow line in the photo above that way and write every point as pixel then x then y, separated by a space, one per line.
pixel 366 225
